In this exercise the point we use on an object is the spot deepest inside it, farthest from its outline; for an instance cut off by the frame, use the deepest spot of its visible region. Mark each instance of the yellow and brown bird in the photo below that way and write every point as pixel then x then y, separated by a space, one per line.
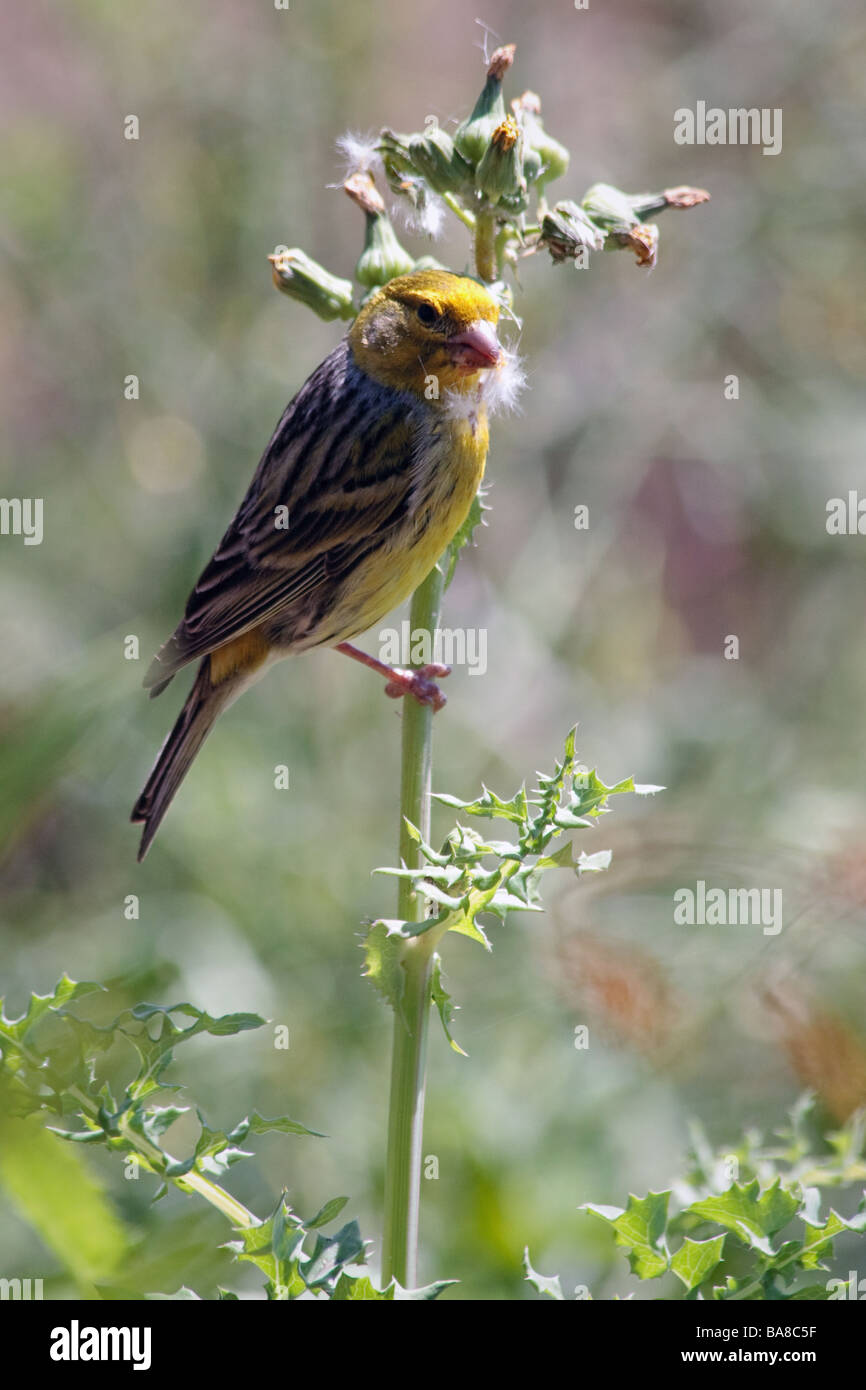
pixel 369 474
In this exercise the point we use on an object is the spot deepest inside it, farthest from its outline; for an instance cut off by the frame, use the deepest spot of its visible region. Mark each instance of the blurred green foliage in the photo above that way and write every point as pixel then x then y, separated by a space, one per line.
pixel 707 518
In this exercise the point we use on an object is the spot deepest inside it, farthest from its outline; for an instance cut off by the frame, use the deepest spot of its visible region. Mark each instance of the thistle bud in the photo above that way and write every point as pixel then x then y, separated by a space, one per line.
pixel 436 158
pixel 302 278
pixel 473 136
pixel 616 212
pixel 642 238
pixel 540 149
pixel 566 229
pixel 398 166
pixel 645 204
pixel 500 171
pixel 382 257
pixel 609 207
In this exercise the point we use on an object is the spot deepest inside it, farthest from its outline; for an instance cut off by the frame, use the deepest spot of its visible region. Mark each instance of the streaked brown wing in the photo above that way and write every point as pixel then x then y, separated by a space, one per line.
pixel 342 461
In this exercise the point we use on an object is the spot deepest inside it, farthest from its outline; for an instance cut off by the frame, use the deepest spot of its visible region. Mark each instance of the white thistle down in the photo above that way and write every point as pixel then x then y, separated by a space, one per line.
pixel 424 219
pixel 498 390
pixel 359 153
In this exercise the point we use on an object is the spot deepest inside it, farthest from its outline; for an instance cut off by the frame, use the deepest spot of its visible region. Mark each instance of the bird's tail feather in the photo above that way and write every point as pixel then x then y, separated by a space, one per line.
pixel 195 721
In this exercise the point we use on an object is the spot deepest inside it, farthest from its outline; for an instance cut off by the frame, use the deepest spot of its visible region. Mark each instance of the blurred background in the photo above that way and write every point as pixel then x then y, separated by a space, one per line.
pixel 707 518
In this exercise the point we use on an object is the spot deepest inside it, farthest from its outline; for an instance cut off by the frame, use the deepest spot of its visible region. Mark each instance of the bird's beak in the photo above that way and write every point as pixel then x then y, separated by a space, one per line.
pixel 475 347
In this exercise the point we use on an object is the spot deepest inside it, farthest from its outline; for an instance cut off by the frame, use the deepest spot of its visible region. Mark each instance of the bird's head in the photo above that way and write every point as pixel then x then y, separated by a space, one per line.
pixel 429 324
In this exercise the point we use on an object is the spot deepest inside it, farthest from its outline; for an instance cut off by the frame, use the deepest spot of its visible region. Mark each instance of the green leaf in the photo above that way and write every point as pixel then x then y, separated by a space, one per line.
pixel 465 925
pixel 327 1212
pixel 331 1253
pixel 273 1247
pixel 819 1240
pixel 423 1295
pixel 444 1003
pixel 466 533
pixel 360 1289
pixel 279 1124
pixel 549 1286
pixel 65 991
pixel 594 863
pixel 383 952
pixel 562 859
pixel 489 805
pixel 752 1216
pixel 695 1260
pixel 639 1230
pixel 157 1119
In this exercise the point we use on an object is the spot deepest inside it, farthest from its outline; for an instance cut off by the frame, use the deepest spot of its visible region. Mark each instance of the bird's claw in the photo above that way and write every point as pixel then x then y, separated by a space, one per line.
pixel 419 684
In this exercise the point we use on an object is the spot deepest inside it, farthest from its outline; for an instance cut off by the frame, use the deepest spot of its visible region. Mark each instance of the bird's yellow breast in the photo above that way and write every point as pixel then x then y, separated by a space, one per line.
pixel 451 473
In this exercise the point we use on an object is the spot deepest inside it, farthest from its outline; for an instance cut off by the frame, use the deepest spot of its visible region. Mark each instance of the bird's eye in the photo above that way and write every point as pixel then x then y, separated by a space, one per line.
pixel 427 314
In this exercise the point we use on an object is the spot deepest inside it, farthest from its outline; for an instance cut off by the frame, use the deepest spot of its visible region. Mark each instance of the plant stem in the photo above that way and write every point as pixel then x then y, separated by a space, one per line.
pixel 411 1022
pixel 467 218
pixel 485 245
pixel 230 1207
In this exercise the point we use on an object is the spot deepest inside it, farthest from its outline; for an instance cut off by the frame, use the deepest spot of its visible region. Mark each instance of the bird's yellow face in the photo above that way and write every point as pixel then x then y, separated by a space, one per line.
pixel 427 325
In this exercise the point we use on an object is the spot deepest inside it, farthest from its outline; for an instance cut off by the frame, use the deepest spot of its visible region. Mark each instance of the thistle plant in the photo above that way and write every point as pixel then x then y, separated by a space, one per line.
pixel 493 174
pixel 743 1224
pixel 488 174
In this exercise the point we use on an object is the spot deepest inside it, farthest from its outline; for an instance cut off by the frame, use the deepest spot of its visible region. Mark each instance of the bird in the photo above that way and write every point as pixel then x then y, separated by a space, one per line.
pixel 368 476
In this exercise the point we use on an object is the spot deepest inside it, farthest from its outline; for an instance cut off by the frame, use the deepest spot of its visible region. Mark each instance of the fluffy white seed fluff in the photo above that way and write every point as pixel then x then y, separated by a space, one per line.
pixel 498 390
pixel 359 152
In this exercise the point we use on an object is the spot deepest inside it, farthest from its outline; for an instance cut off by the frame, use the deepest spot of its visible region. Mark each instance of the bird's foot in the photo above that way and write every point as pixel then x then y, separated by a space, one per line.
pixel 419 684
pixel 400 681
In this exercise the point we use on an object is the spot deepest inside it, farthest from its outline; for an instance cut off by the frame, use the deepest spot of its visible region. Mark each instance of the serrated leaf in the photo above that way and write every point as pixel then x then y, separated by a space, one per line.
pixel 64 992
pixel 818 1240
pixel 594 863
pixel 695 1260
pixel 639 1230
pixel 750 1214
pixel 444 1003
pixel 562 859
pixel 383 952
pixel 331 1253
pixel 425 1294
pixel 155 1120
pixel 466 534
pixel 551 1287
pixel 465 925
pixel 277 1124
pixel 360 1289
pixel 489 805
pixel 446 900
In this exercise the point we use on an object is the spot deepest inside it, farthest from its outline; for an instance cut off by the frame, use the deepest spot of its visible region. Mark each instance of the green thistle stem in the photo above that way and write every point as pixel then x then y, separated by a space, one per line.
pixel 485 245
pixel 411 1023
pixel 461 213
pixel 235 1211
